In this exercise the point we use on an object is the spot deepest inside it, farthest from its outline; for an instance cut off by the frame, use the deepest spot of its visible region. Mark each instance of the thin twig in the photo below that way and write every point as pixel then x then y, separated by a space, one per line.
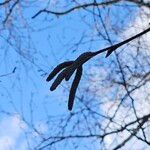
pixel 75 8
pixel 7 74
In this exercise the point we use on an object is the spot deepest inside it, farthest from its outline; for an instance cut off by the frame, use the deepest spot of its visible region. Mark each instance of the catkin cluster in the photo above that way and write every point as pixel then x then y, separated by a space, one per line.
pixel 65 70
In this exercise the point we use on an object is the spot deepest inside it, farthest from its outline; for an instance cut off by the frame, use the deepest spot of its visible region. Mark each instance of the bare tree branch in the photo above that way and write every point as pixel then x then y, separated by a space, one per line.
pixel 76 8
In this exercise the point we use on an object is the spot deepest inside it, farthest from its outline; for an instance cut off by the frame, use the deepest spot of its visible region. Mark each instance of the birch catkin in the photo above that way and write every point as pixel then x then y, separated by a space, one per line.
pixel 57 69
pixel 78 62
pixel 74 88
pixel 58 80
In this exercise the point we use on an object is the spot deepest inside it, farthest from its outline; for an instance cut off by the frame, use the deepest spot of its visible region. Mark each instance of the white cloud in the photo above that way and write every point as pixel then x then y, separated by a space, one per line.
pixel 141 96
pixel 125 114
pixel 11 128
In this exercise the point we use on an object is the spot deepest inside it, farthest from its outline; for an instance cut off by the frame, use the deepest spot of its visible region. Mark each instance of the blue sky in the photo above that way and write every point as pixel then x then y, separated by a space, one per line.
pixel 25 94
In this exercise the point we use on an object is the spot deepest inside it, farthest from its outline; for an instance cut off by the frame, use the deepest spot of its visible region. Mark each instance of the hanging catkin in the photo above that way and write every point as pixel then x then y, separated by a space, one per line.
pixel 74 88
pixel 78 62
pixel 57 69
pixel 58 80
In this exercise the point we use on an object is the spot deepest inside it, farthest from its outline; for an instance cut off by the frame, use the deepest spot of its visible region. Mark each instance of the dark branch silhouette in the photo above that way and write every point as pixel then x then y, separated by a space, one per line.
pixel 10 11
pixel 84 6
pixel 71 66
pixel 5 2
pixel 75 8
pixel 7 74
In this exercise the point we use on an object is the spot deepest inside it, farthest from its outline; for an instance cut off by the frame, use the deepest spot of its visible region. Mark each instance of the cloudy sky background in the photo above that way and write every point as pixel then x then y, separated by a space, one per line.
pixel 25 95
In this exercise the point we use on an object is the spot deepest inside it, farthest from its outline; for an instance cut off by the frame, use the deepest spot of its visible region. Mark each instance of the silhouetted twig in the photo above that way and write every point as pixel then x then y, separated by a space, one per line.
pixel 68 68
pixel 75 8
pixel 5 2
pixel 7 74
pixel 10 11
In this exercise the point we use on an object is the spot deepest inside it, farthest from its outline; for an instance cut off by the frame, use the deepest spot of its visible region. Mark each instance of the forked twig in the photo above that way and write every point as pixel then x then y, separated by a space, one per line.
pixel 67 69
